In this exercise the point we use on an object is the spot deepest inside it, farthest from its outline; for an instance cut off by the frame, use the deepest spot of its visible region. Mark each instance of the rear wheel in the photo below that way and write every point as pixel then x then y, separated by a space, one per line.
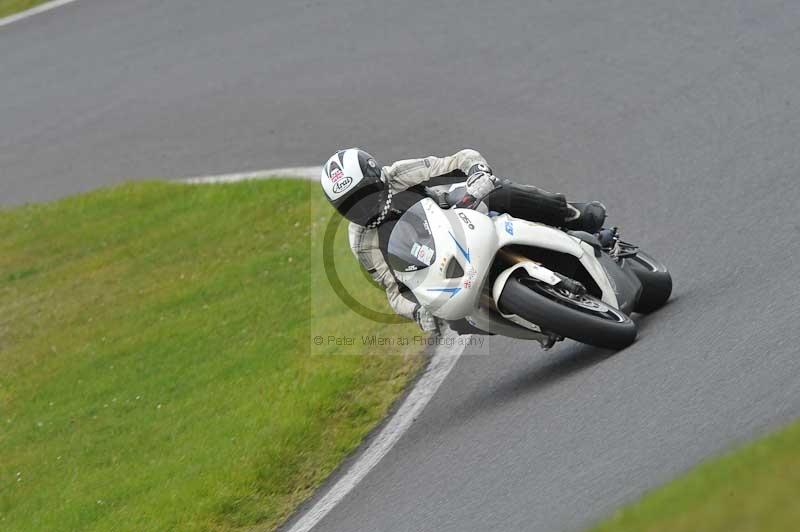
pixel 656 282
pixel 581 317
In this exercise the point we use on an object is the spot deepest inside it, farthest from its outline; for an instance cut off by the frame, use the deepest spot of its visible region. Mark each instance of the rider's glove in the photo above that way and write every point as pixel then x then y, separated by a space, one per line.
pixel 479 167
pixel 425 320
pixel 480 184
pixel 480 181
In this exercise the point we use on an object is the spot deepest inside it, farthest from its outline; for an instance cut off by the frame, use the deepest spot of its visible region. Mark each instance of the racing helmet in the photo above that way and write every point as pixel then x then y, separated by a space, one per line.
pixel 356 187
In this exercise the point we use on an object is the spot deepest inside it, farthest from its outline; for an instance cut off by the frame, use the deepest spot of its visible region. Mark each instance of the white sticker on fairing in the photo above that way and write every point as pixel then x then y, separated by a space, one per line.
pixel 423 253
pixel 469 277
pixel 543 274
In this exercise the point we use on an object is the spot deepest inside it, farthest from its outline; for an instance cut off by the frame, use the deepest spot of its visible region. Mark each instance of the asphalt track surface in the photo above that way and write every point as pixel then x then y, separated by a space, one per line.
pixel 684 119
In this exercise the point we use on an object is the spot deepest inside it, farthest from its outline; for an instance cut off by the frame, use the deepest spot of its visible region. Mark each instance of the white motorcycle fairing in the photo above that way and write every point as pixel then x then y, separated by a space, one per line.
pixel 444 256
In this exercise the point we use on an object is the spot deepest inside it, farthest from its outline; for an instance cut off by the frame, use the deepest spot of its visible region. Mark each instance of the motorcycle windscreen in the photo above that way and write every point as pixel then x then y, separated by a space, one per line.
pixel 411 245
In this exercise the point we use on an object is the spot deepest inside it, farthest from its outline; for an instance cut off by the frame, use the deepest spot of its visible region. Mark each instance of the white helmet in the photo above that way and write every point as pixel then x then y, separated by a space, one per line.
pixel 354 184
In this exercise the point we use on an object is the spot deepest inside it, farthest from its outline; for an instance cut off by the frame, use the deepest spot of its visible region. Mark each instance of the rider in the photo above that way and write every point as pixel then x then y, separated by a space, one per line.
pixel 372 197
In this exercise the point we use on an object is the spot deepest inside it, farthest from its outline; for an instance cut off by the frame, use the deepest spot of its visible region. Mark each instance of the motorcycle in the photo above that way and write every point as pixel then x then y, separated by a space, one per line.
pixel 501 275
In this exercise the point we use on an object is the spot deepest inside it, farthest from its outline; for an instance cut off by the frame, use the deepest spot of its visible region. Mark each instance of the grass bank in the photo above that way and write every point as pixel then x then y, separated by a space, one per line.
pixel 9 7
pixel 752 489
pixel 155 367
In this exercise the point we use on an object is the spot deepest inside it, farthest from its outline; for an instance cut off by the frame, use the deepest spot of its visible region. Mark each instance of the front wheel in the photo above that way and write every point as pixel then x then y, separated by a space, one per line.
pixel 581 317
pixel 656 282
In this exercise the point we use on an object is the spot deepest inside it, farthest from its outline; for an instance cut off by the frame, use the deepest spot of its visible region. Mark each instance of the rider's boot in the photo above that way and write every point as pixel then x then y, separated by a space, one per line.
pixel 549 341
pixel 587 217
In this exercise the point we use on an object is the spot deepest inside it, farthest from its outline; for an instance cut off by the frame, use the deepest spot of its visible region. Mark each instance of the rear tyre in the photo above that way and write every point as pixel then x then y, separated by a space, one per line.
pixel 582 318
pixel 656 282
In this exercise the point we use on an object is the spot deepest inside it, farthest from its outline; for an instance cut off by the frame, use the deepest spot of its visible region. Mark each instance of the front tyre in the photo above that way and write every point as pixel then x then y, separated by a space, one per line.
pixel 583 318
pixel 656 282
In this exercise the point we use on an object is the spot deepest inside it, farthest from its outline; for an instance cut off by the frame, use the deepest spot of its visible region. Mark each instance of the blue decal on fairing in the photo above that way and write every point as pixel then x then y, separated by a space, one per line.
pixel 462 250
pixel 510 228
pixel 452 291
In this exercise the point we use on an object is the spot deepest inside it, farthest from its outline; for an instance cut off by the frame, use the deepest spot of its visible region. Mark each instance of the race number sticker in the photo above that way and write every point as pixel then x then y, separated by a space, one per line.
pixel 423 253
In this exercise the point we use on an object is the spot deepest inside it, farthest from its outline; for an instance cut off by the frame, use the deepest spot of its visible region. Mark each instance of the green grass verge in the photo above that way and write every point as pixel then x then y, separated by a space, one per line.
pixel 155 368
pixel 752 489
pixel 9 7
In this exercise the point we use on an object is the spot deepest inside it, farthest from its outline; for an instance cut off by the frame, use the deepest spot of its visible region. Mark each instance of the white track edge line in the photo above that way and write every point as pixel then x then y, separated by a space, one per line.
pixel 298 172
pixel 41 8
pixel 443 360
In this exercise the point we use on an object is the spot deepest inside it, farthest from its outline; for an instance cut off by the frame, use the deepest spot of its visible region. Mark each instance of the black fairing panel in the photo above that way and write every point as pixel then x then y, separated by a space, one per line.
pixel 625 283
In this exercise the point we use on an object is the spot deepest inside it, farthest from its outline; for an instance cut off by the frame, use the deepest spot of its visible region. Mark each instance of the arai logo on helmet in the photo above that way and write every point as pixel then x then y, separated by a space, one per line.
pixel 342 184
pixel 339 180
